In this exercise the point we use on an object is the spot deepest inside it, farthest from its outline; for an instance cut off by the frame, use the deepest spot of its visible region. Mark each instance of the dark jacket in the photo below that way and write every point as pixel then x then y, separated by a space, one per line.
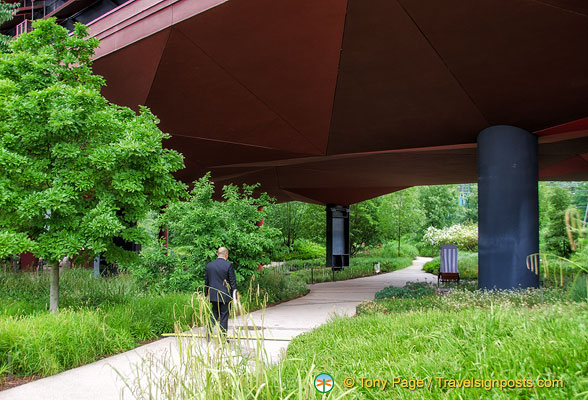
pixel 217 275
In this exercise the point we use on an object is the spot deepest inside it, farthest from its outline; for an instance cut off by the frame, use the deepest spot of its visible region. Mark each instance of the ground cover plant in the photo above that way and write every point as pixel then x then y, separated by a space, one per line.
pixel 501 342
pixel 410 290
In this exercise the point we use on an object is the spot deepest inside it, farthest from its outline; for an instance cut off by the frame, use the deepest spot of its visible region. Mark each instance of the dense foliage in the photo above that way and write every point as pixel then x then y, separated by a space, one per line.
pixel 7 11
pixel 77 171
pixel 555 235
pixel 201 224
pixel 465 237
pixel 297 221
pixel 100 317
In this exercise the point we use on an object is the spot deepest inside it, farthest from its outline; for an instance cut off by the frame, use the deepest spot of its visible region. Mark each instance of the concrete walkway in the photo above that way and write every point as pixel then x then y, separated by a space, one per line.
pixel 99 380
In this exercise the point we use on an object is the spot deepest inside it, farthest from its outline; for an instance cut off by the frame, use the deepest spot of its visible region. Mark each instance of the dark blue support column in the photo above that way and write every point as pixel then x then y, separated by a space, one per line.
pixel 338 248
pixel 508 207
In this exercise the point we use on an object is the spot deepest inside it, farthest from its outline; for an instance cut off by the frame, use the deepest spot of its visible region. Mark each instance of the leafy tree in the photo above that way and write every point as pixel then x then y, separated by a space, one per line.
pixel 400 213
pixel 200 225
pixel 7 11
pixel 470 214
pixel 440 205
pixel 77 171
pixel 364 223
pixel 297 220
pixel 555 235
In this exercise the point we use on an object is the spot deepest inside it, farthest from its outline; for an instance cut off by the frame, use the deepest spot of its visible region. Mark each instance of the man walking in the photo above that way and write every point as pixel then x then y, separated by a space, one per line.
pixel 219 283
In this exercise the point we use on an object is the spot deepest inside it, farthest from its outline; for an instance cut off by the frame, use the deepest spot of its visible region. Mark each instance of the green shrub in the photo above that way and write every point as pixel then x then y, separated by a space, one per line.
pixel 432 267
pixel 360 266
pixel 425 249
pixel 465 237
pixel 294 265
pixel 202 224
pixel 305 249
pixel 410 290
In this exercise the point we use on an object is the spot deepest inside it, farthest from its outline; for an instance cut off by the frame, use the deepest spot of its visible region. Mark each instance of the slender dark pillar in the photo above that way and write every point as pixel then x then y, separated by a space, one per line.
pixel 338 248
pixel 508 207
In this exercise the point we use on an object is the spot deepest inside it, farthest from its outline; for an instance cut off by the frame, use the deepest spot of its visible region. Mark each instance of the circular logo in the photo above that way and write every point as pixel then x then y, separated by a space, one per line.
pixel 349 382
pixel 323 383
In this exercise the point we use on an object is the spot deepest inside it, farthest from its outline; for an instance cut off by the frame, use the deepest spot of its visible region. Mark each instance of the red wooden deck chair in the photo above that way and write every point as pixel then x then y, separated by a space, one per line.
pixel 448 268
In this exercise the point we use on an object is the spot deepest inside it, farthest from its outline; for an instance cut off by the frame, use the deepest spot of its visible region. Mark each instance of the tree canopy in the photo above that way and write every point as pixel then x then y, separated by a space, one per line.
pixel 200 225
pixel 77 170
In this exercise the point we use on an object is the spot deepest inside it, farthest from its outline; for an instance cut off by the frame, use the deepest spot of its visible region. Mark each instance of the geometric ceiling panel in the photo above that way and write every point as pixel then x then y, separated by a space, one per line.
pixel 338 101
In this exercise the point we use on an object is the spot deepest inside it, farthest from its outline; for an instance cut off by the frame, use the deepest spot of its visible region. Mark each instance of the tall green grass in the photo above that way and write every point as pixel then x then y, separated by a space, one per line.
pixel 212 369
pixel 24 293
pixel 99 317
pixel 499 336
pixel 46 344
pixel 503 341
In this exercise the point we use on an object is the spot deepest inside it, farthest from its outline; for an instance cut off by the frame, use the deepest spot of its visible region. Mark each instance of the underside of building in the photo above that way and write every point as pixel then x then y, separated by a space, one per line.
pixel 338 101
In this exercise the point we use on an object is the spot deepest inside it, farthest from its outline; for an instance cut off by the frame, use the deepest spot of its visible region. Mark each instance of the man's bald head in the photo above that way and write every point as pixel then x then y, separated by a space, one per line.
pixel 223 252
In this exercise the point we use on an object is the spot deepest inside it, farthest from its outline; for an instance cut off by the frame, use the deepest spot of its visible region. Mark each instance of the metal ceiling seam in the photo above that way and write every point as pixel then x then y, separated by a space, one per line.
pixel 337 79
pixel 158 65
pixel 271 109
pixel 558 8
pixel 444 62
pixel 235 143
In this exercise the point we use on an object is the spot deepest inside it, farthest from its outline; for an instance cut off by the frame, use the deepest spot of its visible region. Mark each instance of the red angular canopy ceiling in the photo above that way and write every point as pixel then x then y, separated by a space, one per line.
pixel 338 101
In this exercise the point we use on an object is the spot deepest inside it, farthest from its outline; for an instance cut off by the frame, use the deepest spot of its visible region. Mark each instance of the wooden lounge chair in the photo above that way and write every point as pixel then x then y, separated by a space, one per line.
pixel 448 269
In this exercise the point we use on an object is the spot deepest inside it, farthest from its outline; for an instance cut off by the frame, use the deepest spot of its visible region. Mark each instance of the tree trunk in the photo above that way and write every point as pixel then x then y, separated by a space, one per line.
pixel 54 287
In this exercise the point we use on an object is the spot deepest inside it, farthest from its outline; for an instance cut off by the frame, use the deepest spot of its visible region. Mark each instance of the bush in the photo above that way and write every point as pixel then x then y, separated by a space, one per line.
pixel 295 265
pixel 158 272
pixel 410 290
pixel 465 237
pixel 425 249
pixel 360 266
pixel 200 225
pixel 390 250
pixel 432 267
pixel 305 249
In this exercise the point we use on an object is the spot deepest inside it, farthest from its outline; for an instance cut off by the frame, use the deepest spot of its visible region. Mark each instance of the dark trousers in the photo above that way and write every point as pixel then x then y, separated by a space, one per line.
pixel 220 313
